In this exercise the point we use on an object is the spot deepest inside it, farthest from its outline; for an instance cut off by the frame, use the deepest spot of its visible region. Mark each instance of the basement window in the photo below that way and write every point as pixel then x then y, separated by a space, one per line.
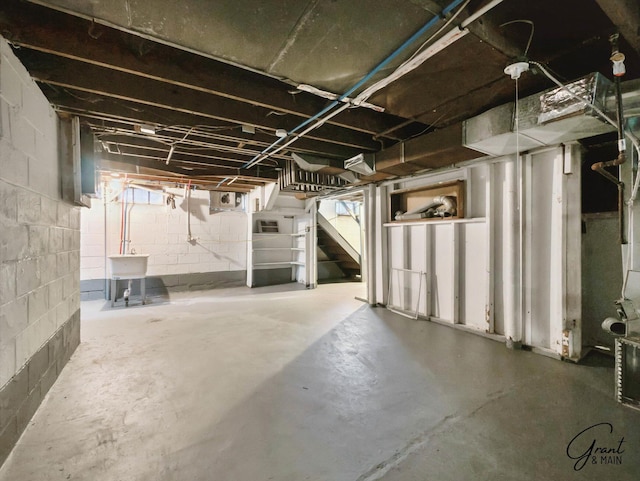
pixel 349 208
pixel 133 195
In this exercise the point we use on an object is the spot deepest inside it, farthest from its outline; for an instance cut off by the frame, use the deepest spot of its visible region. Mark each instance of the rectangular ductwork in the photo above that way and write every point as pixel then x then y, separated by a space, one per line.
pixel 293 179
pixel 546 119
pixel 430 151
pixel 361 163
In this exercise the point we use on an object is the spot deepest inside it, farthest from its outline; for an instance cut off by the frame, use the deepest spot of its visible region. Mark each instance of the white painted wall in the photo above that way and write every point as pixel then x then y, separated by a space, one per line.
pixel 220 238
pixel 39 233
pixel 472 265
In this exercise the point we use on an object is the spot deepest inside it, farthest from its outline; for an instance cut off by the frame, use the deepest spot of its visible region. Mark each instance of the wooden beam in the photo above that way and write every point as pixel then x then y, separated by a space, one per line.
pixel 149 175
pixel 40 28
pixel 175 169
pixel 75 102
pixel 625 15
pixel 65 73
pixel 200 143
pixel 201 156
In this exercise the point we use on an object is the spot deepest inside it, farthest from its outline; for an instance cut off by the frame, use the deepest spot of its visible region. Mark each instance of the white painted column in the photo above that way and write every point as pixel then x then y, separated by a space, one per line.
pixel 381 243
pixel 572 318
pixel 311 247
pixel 558 253
pixel 511 242
pixel 372 226
pixel 489 249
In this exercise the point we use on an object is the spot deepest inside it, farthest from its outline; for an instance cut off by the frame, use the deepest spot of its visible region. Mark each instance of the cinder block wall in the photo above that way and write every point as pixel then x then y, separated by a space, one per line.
pixel 39 252
pixel 216 258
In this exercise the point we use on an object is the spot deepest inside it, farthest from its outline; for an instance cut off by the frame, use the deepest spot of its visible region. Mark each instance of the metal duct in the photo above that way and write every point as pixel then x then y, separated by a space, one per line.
pixel 294 179
pixel 546 119
pixel 361 163
pixel 430 151
pixel 310 163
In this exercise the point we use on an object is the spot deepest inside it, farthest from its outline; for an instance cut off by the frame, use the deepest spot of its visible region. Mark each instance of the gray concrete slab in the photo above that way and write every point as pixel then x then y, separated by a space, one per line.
pixel 271 384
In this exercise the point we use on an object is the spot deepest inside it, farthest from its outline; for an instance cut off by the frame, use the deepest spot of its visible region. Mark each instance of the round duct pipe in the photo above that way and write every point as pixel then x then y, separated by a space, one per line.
pixel 614 326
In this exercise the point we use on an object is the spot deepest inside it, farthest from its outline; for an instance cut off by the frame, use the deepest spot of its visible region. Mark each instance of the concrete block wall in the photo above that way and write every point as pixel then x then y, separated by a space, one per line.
pixel 39 252
pixel 216 256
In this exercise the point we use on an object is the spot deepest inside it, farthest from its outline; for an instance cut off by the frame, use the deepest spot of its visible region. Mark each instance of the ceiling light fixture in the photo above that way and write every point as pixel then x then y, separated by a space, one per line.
pixel 282 133
pixel 516 69
pixel 146 129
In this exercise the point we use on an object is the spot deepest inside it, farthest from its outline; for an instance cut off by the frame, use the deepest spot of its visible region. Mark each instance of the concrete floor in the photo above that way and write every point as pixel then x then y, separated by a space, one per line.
pixel 268 384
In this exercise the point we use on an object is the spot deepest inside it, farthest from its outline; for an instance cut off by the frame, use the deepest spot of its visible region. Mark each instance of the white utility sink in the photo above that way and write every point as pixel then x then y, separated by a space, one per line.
pixel 128 266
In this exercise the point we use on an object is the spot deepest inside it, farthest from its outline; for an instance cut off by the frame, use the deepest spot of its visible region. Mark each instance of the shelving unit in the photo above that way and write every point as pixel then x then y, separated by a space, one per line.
pixel 277 250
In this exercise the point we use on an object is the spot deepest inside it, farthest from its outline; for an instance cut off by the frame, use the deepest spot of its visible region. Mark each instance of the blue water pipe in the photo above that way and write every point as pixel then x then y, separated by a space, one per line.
pixel 364 79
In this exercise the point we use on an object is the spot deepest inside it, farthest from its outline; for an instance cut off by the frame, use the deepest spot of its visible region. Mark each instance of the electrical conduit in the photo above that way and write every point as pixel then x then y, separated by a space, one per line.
pixel 188 195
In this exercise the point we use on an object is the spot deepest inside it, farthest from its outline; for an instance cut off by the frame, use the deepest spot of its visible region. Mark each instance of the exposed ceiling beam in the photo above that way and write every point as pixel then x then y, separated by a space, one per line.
pixel 186 162
pixel 80 103
pixel 151 175
pixel 39 28
pixel 198 141
pixel 625 14
pixel 68 73
pixel 203 157
pixel 180 171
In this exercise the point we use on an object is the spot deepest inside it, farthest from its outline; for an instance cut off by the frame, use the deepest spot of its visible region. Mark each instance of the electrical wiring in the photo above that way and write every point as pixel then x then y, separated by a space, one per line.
pixel 319 119
pixel 438 32
pixel 186 144
pixel 414 61
pixel 533 27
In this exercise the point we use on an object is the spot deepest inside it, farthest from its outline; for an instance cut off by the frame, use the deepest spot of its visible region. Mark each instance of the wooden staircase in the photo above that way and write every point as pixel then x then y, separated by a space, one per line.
pixel 333 261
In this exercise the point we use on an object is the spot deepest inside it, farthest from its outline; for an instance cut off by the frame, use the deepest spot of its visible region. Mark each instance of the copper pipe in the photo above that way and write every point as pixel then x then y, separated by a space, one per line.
pixel 621 159
pixel 599 166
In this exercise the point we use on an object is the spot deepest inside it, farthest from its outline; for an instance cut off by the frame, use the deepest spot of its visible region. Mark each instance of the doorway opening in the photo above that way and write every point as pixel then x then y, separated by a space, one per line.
pixel 341 253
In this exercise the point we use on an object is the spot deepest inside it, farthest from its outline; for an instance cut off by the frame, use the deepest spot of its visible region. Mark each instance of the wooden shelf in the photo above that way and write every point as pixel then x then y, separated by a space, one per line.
pixel 278 263
pixel 449 220
pixel 265 234
pixel 268 226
